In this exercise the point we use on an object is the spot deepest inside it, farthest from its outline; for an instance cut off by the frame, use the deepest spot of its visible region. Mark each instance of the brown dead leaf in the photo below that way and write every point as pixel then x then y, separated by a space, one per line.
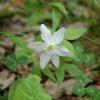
pixel 67 86
pixel 6 78
pixel 52 89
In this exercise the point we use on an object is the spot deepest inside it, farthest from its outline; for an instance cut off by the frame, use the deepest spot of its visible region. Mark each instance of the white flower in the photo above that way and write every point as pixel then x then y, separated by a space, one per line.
pixel 50 48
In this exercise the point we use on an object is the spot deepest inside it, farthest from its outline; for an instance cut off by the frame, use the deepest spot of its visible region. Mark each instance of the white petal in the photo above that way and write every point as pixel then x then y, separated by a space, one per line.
pixel 45 33
pixel 62 51
pixel 36 46
pixel 44 59
pixel 55 60
pixel 58 36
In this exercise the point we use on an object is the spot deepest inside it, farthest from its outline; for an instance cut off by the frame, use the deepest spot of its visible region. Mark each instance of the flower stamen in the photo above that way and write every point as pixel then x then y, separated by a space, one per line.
pixel 50 47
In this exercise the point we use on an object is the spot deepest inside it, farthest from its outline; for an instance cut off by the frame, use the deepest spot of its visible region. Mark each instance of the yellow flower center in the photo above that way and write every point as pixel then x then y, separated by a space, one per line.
pixel 50 47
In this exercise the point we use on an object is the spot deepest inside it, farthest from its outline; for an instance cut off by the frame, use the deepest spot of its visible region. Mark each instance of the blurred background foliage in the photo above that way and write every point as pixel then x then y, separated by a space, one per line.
pixel 23 18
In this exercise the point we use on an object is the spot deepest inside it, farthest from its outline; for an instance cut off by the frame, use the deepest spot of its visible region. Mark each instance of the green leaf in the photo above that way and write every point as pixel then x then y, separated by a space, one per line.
pixel 97 97
pixel 73 33
pixel 80 91
pixel 48 73
pixel 31 7
pixel 79 60
pixel 22 59
pixel 36 70
pixel 91 91
pixel 56 17
pixel 11 62
pixel 79 52
pixel 90 59
pixel 28 89
pixel 37 17
pixel 77 74
pixel 70 47
pixel 79 47
pixel 14 59
pixel 61 7
pixel 60 75
pixel 13 89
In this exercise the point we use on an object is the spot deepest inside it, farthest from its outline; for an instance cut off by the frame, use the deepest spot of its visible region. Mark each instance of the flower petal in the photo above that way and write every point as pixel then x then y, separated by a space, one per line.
pixel 44 59
pixel 55 60
pixel 46 34
pixel 62 51
pixel 58 36
pixel 37 46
